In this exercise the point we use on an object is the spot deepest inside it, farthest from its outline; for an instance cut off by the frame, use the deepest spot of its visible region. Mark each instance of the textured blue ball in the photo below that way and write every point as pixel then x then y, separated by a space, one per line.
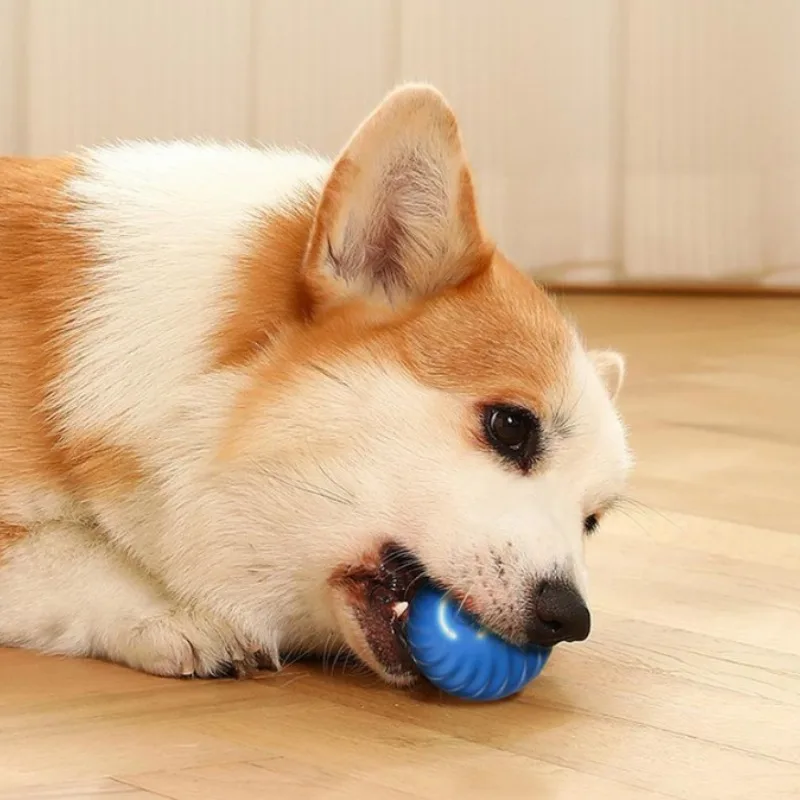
pixel 456 654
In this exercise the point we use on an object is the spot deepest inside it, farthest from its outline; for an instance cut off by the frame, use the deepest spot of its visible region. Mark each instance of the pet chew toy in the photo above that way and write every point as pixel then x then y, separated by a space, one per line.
pixel 460 657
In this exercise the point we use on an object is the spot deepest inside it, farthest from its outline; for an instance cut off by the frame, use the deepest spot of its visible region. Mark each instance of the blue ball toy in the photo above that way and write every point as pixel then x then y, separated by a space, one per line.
pixel 460 657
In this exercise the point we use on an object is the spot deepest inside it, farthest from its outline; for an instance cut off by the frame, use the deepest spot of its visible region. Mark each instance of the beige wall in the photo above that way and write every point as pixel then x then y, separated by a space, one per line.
pixel 612 139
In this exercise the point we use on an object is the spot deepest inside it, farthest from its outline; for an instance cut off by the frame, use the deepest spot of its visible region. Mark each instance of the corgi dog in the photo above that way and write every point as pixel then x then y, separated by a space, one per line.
pixel 250 399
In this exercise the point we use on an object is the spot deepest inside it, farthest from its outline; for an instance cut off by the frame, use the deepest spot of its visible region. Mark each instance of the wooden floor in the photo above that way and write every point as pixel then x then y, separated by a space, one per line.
pixel 689 687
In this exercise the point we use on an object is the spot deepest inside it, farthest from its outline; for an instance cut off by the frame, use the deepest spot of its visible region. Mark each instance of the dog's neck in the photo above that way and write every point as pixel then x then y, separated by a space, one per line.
pixel 271 293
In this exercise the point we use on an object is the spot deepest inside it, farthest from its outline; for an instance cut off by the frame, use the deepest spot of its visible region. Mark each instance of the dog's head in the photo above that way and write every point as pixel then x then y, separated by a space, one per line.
pixel 432 415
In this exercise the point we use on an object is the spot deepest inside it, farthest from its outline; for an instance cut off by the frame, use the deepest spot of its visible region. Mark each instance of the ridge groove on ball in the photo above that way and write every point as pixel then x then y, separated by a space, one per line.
pixel 460 657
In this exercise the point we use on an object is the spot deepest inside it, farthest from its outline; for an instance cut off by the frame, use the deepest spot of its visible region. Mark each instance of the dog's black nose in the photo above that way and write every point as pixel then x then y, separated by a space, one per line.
pixel 559 614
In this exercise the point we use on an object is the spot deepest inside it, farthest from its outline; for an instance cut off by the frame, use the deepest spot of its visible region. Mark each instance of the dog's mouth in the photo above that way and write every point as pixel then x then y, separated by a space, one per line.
pixel 377 595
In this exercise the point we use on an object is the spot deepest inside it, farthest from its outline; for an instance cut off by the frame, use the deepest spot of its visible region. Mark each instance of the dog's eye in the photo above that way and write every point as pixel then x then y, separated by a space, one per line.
pixel 590 523
pixel 513 432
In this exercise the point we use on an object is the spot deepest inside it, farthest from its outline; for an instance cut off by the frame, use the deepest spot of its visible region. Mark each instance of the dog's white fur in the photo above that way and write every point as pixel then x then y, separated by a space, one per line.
pixel 260 479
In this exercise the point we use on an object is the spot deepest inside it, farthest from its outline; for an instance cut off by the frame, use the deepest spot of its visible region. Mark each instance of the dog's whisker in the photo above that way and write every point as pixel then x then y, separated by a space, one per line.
pixel 414 581
pixel 292 657
pixel 294 679
pixel 465 597
pixel 345 491
pixel 643 508
pixel 331 376
pixel 306 487
pixel 341 657
pixel 633 519
pixel 325 650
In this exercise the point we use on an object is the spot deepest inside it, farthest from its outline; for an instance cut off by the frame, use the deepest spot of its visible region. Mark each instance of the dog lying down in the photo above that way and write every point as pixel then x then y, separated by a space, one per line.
pixel 248 398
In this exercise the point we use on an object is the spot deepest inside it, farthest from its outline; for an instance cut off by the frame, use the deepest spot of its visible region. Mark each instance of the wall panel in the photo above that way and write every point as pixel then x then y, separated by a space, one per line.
pixel 320 67
pixel 137 69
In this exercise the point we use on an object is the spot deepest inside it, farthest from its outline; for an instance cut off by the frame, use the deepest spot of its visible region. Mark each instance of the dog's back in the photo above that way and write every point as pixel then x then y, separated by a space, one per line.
pixel 125 273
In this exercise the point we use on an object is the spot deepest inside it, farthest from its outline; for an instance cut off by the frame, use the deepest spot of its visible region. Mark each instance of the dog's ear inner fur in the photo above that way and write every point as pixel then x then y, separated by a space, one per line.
pixel 397 220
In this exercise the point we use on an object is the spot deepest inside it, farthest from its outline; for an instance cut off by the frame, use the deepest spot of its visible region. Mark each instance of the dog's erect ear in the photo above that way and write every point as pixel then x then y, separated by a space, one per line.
pixel 610 366
pixel 397 217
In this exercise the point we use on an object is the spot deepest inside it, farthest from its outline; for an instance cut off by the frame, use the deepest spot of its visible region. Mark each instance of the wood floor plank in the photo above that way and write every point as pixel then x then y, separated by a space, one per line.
pixel 93 790
pixel 275 777
pixel 635 755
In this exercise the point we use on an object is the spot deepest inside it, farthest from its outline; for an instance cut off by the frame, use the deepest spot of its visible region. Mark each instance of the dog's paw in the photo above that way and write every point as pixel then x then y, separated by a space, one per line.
pixel 183 644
